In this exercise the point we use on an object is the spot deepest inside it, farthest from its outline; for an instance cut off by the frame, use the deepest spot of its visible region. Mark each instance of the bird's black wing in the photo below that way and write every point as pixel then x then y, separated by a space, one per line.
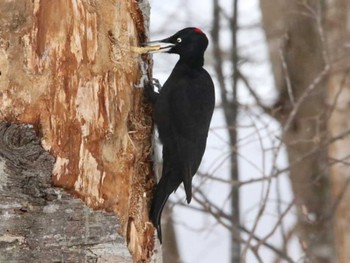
pixel 183 112
pixel 191 107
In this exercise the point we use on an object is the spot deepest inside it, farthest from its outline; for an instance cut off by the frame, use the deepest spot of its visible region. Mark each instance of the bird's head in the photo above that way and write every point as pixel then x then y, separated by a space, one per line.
pixel 188 42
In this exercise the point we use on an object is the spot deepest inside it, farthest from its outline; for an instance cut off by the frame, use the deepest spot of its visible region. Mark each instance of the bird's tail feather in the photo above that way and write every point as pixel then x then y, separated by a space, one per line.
pixel 188 183
pixel 159 199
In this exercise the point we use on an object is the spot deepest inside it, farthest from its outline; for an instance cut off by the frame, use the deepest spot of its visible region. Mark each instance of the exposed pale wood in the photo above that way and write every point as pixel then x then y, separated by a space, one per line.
pixel 143 50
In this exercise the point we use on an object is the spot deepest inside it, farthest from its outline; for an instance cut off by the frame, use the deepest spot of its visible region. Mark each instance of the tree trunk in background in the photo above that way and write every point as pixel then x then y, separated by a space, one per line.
pixel 170 249
pixel 230 110
pixel 66 69
pixel 300 69
pixel 338 18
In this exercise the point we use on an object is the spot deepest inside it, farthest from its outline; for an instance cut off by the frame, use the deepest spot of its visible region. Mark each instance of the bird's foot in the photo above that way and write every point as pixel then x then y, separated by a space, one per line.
pixel 149 92
pixel 157 84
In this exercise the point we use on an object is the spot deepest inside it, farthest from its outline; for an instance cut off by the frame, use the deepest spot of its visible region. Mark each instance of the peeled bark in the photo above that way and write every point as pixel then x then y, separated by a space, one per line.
pixel 66 68
pixel 41 223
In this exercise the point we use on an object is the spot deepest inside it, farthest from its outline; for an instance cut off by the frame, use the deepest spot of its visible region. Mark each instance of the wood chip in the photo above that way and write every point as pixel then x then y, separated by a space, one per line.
pixel 142 50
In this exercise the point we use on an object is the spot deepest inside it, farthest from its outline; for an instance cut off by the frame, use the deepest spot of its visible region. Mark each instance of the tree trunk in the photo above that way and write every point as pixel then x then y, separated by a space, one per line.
pixel 296 42
pixel 41 223
pixel 230 110
pixel 66 69
pixel 170 249
pixel 339 124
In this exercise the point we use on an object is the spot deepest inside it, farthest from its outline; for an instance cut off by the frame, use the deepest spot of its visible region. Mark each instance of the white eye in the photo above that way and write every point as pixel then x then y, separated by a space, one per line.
pixel 178 40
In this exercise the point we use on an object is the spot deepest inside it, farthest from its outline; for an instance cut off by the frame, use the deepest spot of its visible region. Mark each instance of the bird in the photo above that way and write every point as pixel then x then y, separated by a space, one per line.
pixel 183 110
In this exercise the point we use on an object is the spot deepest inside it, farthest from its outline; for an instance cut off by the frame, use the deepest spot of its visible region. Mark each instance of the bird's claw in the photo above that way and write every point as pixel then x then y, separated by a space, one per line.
pixel 149 92
pixel 156 83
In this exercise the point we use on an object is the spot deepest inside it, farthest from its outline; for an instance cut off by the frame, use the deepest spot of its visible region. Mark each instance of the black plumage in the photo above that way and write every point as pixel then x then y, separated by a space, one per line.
pixel 183 111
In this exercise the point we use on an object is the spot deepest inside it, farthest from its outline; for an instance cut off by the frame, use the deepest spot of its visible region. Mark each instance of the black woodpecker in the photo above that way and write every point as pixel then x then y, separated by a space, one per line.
pixel 182 112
